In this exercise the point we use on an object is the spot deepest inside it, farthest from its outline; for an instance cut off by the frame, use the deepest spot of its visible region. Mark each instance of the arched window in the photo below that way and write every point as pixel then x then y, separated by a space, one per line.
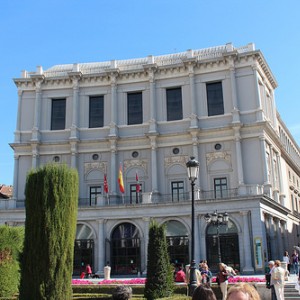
pixel 178 242
pixel 229 245
pixel 83 249
pixel 125 249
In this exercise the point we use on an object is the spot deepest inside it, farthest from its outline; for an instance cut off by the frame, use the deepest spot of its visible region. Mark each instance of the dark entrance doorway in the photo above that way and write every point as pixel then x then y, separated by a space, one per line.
pixel 229 246
pixel 178 242
pixel 83 249
pixel 125 250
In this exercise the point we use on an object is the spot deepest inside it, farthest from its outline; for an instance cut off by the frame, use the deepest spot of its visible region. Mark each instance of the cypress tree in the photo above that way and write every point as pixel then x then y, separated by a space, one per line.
pixel 11 243
pixel 51 211
pixel 159 281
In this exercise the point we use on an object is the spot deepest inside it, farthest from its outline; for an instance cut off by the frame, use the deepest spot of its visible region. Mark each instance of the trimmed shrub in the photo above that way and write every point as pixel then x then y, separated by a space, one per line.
pixel 160 281
pixel 11 243
pixel 51 211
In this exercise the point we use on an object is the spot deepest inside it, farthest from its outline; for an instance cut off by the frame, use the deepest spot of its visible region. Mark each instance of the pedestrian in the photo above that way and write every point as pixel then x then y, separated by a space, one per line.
pixel 295 262
pixel 88 271
pixel 243 291
pixel 198 276
pixel 286 259
pixel 277 277
pixel 271 267
pixel 204 292
pixel 222 278
pixel 180 275
pixel 122 292
pixel 206 274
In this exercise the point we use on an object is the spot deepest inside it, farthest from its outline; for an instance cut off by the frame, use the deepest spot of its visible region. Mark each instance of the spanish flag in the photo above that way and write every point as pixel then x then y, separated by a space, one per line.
pixel 120 179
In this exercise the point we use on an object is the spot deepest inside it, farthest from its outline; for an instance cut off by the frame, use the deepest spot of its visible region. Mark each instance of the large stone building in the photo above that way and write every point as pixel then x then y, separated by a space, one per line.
pixel 149 115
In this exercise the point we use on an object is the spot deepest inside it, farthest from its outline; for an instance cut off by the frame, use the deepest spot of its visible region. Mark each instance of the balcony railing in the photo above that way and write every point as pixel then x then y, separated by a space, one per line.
pixel 150 198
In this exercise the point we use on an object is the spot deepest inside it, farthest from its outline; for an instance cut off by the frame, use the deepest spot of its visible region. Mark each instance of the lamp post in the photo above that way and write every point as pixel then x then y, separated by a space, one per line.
pixel 193 171
pixel 217 220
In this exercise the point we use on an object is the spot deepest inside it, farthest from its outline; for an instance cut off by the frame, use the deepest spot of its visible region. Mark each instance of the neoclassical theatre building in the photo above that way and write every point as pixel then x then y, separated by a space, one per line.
pixel 150 115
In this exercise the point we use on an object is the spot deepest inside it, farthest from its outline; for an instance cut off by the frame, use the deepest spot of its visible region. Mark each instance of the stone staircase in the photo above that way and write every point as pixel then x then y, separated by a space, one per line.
pixel 290 293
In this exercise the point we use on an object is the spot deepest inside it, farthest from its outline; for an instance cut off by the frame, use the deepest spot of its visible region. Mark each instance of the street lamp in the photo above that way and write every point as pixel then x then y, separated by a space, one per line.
pixel 217 220
pixel 193 171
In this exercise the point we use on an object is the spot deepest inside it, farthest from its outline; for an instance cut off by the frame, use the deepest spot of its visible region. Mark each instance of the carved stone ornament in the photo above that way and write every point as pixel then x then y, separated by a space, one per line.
pixel 100 166
pixel 130 163
pixel 218 155
pixel 179 159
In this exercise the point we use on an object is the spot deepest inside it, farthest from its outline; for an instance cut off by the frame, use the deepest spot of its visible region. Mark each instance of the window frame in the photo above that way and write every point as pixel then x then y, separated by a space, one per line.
pixel 96 120
pixel 134 108
pixel 58 114
pixel 174 104
pixel 221 192
pixel 135 197
pixel 95 191
pixel 215 103
pixel 177 192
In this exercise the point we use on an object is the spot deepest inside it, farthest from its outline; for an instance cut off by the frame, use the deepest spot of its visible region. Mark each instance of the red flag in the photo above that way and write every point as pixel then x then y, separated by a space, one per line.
pixel 105 184
pixel 138 186
pixel 120 180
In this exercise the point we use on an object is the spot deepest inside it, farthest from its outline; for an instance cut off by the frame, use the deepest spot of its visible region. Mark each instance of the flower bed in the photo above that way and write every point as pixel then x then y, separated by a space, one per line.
pixel 135 281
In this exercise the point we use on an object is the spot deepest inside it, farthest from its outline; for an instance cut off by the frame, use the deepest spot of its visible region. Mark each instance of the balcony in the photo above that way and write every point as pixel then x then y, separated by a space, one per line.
pixel 150 198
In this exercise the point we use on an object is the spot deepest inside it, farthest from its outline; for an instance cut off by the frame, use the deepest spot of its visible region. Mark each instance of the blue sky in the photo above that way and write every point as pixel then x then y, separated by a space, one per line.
pixel 50 32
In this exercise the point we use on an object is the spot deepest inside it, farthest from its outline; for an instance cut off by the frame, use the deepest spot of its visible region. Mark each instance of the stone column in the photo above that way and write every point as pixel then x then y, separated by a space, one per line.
pixel 113 167
pixel 198 255
pixel 264 160
pixel 37 110
pixel 18 125
pixel 144 256
pixel 153 164
pixel 35 154
pixel 101 246
pixel 238 151
pixel 202 238
pixel 194 108
pixel 273 243
pixel 74 155
pixel 152 128
pixel 279 247
pixel 113 112
pixel 259 110
pixel 248 267
pixel 16 177
pixel 282 196
pixel 75 108
pixel 236 116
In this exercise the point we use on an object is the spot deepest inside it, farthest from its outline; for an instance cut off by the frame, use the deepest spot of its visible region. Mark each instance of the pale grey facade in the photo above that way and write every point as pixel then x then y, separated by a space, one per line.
pixel 150 115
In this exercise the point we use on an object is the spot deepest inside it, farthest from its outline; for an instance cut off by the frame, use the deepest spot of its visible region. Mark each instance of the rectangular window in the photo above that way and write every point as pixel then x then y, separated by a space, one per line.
pixel 96 115
pixel 214 94
pixel 95 191
pixel 220 187
pixel 58 114
pixel 134 196
pixel 174 104
pixel 134 108
pixel 177 191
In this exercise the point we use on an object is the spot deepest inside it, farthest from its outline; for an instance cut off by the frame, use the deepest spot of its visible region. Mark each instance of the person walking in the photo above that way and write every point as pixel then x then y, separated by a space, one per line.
pixel 206 274
pixel 286 259
pixel 271 267
pixel 277 277
pixel 88 271
pixel 222 277
pixel 295 262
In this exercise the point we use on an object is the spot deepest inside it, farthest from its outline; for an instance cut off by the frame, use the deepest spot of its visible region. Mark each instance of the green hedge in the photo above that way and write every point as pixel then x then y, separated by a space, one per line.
pixel 11 243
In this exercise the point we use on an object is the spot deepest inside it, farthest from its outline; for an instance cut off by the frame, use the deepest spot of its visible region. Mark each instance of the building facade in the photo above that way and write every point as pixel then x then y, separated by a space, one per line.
pixel 148 116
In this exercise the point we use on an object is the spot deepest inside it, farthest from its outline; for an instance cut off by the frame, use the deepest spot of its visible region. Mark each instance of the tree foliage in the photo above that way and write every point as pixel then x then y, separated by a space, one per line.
pixel 51 211
pixel 159 281
pixel 11 243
